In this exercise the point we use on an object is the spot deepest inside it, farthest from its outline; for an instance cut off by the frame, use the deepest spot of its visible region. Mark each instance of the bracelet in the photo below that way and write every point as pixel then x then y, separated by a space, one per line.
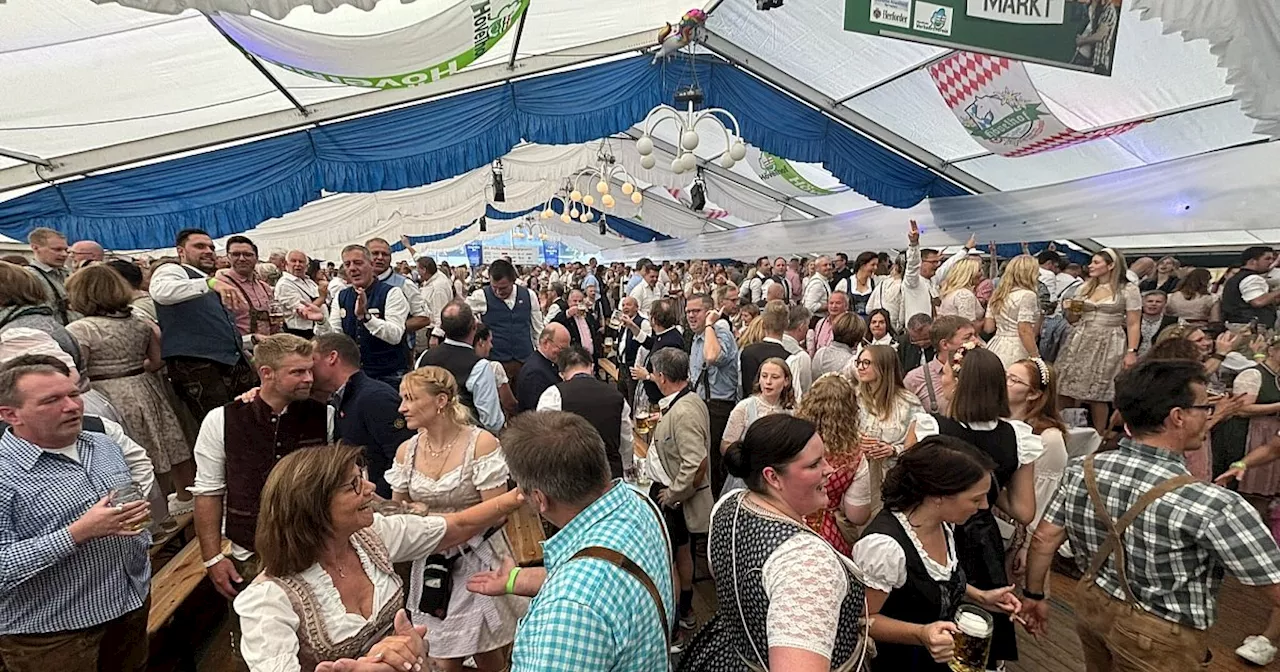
pixel 1039 597
pixel 1218 356
pixel 211 282
pixel 214 560
pixel 1240 464
pixel 511 580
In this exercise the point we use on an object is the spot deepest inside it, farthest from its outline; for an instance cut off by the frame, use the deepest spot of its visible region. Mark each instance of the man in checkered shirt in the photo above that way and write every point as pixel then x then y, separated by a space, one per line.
pixel 1155 606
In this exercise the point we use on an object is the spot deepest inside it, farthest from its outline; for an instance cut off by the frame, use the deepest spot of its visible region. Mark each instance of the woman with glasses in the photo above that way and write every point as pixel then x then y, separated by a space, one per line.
pixel 1033 399
pixel 327 590
pixel 980 415
pixel 885 411
pixel 450 465
pixel 773 393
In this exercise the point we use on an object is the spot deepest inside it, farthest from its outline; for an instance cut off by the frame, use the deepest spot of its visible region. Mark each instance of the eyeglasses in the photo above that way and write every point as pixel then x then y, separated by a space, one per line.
pixel 863 363
pixel 1207 408
pixel 1014 380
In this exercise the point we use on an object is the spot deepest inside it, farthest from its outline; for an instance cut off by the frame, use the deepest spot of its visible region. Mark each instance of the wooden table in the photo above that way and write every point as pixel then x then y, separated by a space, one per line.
pixel 609 368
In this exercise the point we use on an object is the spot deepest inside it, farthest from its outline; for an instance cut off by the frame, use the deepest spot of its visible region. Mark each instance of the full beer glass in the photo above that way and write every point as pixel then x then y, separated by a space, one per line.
pixel 973 641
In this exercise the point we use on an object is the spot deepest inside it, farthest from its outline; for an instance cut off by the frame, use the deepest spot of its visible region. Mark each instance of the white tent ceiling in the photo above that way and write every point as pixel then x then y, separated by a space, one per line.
pixel 94 87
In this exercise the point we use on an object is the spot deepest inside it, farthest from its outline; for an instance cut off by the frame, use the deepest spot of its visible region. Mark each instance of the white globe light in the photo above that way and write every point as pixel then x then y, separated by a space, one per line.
pixel 565 218
pixel 690 162
pixel 588 216
pixel 588 200
pixel 648 162
pixel 636 198
pixel 575 195
pixel 689 140
pixel 602 187
pixel 726 161
pixel 738 151
pixel 574 212
pixel 608 201
pixel 644 145
pixel 627 188
pixel 677 165
pixel 546 214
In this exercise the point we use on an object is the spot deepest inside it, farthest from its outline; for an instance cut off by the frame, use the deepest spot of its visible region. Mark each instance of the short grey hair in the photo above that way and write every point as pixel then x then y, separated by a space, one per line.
pixel 919 321
pixel 558 454
pixel 672 363
pixel 799 315
pixel 1155 292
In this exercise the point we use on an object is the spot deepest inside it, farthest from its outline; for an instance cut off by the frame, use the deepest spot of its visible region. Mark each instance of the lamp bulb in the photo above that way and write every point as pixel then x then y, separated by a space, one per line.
pixel 689 161
pixel 648 162
pixel 607 201
pixel 602 187
pixel 574 212
pixel 636 198
pixel 588 216
pixel 627 188
pixel 738 151
pixel 644 145
pixel 677 165
pixel 588 200
pixel 689 140
pixel 565 218
pixel 726 161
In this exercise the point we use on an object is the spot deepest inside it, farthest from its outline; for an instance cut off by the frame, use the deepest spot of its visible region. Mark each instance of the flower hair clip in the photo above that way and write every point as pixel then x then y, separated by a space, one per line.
pixel 958 357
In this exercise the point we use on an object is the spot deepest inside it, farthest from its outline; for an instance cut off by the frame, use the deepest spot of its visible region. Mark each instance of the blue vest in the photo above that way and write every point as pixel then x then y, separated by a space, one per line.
pixel 200 328
pixel 378 358
pixel 512 341
pixel 397 280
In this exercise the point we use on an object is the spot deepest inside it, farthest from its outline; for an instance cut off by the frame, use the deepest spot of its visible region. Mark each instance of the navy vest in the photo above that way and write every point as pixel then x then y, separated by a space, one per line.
pixel 1236 310
pixel 459 361
pixel 512 341
pixel 378 358
pixel 200 328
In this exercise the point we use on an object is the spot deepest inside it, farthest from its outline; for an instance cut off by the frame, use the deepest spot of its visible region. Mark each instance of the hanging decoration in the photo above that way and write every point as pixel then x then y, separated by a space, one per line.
pixel 674 38
pixel 576 195
pixel 687 126
pixel 995 100
pixel 783 177
pixel 421 53
pixel 276 9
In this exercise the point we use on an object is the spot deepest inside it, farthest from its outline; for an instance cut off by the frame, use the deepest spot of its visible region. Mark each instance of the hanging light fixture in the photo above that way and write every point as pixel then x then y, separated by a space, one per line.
pixel 499 189
pixel 687 122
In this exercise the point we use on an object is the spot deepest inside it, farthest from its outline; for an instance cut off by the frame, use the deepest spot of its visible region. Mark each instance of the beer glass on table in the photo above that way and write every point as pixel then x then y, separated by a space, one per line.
pixel 126 495
pixel 973 639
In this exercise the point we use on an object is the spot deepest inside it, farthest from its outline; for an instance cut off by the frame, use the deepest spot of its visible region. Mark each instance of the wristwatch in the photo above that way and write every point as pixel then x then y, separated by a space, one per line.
pixel 1039 597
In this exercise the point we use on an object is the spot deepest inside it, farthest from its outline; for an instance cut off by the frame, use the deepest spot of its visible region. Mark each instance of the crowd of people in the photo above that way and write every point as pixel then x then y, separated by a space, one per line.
pixel 856 448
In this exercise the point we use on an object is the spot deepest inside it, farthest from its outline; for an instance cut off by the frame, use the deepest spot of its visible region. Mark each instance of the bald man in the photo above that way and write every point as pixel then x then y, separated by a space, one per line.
pixel 86 251
pixel 539 371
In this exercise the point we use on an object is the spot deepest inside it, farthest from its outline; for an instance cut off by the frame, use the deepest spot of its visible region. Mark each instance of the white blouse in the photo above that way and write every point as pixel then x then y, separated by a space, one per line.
pixel 881 561
pixel 1030 446
pixel 1248 381
pixel 806 581
pixel 270 624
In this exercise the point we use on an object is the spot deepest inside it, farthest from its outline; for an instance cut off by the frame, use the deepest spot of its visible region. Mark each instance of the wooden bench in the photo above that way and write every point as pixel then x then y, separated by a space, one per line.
pixel 174 583
pixel 609 368
pixel 161 541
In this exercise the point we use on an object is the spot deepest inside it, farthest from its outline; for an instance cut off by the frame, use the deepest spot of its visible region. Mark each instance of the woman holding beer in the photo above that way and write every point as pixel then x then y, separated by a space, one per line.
pixel 774 393
pixel 907 560
pixel 886 411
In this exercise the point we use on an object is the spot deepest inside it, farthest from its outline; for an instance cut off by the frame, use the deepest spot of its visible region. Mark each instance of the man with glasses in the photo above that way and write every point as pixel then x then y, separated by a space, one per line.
pixel 1159 540
pixel 713 368
pixel 919 296
pixel 253 316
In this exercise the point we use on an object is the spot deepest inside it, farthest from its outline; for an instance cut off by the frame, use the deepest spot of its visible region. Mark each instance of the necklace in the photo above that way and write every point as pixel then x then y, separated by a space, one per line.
pixel 431 449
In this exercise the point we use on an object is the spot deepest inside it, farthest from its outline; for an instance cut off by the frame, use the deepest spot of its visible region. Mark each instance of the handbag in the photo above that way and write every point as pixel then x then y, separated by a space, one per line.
pixel 437 585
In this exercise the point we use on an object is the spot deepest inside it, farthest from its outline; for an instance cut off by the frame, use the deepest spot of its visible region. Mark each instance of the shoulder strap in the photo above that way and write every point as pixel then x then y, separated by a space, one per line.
pixel 1116 529
pixel 627 565
pixel 928 385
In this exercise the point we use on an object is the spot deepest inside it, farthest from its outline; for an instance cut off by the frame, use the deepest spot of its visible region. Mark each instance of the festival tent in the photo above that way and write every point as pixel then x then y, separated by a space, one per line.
pixel 122 125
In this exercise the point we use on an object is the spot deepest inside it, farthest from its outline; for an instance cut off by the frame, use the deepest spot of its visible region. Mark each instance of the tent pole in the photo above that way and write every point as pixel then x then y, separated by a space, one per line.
pixel 894 77
pixel 515 46
pixel 24 157
pixel 262 69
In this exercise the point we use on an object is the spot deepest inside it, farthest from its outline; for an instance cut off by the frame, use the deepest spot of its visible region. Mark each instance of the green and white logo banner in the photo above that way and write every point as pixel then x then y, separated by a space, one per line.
pixel 276 9
pixel 779 174
pixel 417 54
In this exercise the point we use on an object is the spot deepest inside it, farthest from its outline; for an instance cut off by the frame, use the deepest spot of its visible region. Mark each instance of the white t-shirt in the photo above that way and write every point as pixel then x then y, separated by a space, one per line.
pixel 1252 287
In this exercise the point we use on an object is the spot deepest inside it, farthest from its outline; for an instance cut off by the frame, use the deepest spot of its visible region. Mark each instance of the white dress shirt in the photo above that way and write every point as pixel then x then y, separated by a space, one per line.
pixel 551 401
pixel 388 327
pixel 917 293
pixel 816 292
pixel 645 295
pixel 482 382
pixel 211 462
pixel 295 292
pixel 437 292
pixel 480 305
pixel 171 286
pixel 417 307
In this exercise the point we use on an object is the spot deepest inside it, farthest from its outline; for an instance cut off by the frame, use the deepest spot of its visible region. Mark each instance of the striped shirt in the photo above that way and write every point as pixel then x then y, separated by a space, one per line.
pixel 1179 547
pixel 589 614
pixel 47 583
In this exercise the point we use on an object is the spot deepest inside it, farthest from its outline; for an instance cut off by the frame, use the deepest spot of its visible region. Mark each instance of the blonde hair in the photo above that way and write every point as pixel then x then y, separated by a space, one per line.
pixel 295 521
pixel 788 397
pixel 271 351
pixel 97 290
pixel 754 333
pixel 1115 280
pixel 879 395
pixel 42 236
pixel 1021 273
pixel 964 274
pixel 431 381
pixel 831 404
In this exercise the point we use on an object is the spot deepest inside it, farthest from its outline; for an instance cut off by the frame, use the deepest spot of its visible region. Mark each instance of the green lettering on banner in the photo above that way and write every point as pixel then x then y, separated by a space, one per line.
pixel 995 131
pixel 783 168
pixel 488 30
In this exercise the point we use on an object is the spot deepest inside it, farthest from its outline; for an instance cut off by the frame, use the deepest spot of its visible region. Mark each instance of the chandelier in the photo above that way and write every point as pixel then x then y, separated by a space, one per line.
pixel 575 196
pixel 686 123
pixel 529 228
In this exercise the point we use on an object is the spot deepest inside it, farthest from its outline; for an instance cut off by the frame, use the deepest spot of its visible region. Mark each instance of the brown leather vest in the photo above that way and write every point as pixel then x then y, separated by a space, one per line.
pixel 255 439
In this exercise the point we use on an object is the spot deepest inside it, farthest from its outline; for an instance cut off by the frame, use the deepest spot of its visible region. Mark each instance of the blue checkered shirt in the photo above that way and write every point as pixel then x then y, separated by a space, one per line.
pixel 48 583
pixel 1180 547
pixel 590 614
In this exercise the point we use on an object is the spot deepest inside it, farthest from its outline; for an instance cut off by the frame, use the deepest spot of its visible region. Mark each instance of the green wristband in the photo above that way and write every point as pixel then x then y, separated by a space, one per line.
pixel 211 282
pixel 511 580
pixel 1240 464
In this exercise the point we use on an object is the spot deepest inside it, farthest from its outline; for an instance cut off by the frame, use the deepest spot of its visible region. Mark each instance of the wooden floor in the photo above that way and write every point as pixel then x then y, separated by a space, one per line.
pixel 1241 611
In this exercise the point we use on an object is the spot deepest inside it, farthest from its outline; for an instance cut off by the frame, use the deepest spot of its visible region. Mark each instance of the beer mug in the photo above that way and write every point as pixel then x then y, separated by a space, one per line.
pixel 615 320
pixel 126 495
pixel 973 640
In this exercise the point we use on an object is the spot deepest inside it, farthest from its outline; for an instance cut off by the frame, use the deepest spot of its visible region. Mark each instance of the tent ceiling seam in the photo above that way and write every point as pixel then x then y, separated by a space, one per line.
pixel 87 38
pixel 24 157
pixel 905 72
pixel 262 70
pixel 141 117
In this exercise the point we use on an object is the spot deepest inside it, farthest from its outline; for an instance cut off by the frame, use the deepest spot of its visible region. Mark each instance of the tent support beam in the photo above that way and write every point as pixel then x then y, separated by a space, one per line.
pixel 842 114
pixel 262 69
pixel 515 46
pixel 24 157
pixel 649 199
pixel 714 169
pixel 894 77
pixel 214 135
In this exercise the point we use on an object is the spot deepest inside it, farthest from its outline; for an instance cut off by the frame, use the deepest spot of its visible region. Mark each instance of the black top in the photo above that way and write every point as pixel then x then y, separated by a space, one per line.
pixel 630 344
pixel 752 357
pixel 458 360
pixel 537 374
pixel 1236 310
pixel 1150 284
pixel 671 338
pixel 920 600
pixel 601 404
pixel 368 415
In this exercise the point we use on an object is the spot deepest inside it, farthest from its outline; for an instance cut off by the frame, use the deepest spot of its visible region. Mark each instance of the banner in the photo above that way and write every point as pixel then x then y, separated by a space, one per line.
pixel 421 53
pixel 1064 33
pixel 998 105
pixel 551 252
pixel 276 9
pixel 779 174
pixel 526 256
pixel 475 253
